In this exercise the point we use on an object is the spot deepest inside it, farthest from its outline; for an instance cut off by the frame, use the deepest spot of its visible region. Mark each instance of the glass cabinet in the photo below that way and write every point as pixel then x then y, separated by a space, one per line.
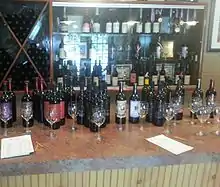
pixel 127 41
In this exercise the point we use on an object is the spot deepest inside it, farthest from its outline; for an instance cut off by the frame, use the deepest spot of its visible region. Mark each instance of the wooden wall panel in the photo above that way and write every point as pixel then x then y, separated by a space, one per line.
pixel 194 175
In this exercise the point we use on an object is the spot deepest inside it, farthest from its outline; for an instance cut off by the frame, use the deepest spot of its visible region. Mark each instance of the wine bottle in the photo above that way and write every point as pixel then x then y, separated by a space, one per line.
pixel 141 75
pixel 159 107
pixel 27 102
pixel 121 105
pixel 13 96
pixel 116 26
pixel 134 106
pixel 60 95
pixel 187 75
pixel 211 95
pixel 62 53
pixel 162 73
pixel 146 89
pixel 99 69
pixel 139 25
pixel 198 93
pixel 155 73
pixel 54 104
pixel 60 75
pixel 96 24
pixel 40 104
pixel 63 22
pixel 86 22
pixel 35 95
pixel 133 75
pixel 88 103
pixel 179 94
pixel 6 104
pixel 148 24
pixel 108 26
pixel 95 76
pixel 80 105
pixel 157 20
pixel 108 75
pixel 151 103
pixel 124 27
pixel 115 77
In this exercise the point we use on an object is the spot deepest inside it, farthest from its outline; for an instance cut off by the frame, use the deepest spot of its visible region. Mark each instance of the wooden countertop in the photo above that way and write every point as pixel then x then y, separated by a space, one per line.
pixel 80 151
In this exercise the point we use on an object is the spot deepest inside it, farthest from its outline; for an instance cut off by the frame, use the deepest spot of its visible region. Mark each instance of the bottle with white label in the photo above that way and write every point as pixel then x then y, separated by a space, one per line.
pixel 157 22
pixel 158 49
pixel 108 25
pixel 139 25
pixel 63 22
pixel 124 27
pixel 134 106
pixel 148 24
pixel 96 23
pixel 95 75
pixel 115 77
pixel 121 106
pixel 86 22
pixel 62 53
pixel 108 78
pixel 116 26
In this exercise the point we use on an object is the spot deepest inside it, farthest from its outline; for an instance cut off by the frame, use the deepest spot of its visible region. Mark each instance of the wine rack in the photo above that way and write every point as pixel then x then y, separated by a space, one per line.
pixel 29 58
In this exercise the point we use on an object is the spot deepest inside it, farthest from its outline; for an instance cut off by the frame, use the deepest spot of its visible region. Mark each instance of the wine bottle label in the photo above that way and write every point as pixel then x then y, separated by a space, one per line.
pixel 121 109
pixel 6 108
pixel 176 79
pixel 140 80
pixel 64 27
pixel 114 81
pixel 162 78
pixel 60 80
pixel 108 27
pixel 134 109
pixel 147 27
pixel 96 80
pixel 28 109
pixel 86 27
pixel 184 51
pixel 96 27
pixel 62 53
pixel 124 28
pixel 139 27
pixel 133 77
pixel 55 115
pixel 108 79
pixel 62 110
pixel 187 79
pixel 156 27
pixel 146 82
pixel 116 26
pixel 155 79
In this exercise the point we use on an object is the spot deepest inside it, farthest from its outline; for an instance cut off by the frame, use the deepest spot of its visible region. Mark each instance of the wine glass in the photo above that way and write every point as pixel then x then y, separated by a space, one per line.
pixel 193 106
pixel 72 111
pixel 98 117
pixel 27 114
pixel 143 112
pixel 216 113
pixel 5 115
pixel 210 101
pixel 169 112
pixel 177 105
pixel 52 116
pixel 203 114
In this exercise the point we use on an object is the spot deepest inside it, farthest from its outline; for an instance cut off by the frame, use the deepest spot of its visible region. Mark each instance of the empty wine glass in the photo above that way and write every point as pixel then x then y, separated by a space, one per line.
pixel 169 112
pixel 177 105
pixel 98 117
pixel 72 111
pixel 52 116
pixel 210 101
pixel 193 106
pixel 143 112
pixel 5 115
pixel 203 114
pixel 27 114
pixel 216 113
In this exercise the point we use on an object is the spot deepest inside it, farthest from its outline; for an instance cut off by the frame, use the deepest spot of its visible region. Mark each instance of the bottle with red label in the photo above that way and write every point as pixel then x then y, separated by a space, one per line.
pixel 54 104
pixel 133 75
pixel 62 103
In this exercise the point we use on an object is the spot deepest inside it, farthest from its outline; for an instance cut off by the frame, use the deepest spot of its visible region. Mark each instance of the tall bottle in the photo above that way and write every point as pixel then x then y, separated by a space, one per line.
pixel 151 101
pixel 96 24
pixel 27 102
pixel 54 104
pixel 121 105
pixel 108 78
pixel 95 76
pixel 62 53
pixel 116 26
pixel 40 104
pixel 159 107
pixel 60 95
pixel 134 106
pixel 198 93
pixel 146 89
pixel 141 75
pixel 162 73
pixel 180 94
pixel 80 105
pixel 211 94
pixel 108 26
pixel 86 22
pixel 133 75
pixel 88 103
pixel 148 24
pixel 35 95
pixel 60 74
pixel 157 21
pixel 6 104
pixel 13 96
pixel 139 25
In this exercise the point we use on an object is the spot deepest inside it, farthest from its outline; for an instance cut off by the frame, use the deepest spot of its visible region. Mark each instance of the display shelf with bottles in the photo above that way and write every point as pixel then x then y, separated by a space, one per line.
pixel 24 42
pixel 128 40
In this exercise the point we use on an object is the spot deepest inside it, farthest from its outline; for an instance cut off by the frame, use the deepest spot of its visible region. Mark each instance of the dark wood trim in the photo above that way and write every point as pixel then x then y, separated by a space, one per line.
pixel 51 39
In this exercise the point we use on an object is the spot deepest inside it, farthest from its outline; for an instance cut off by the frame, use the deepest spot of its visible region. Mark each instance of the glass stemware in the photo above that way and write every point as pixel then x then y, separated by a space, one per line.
pixel 5 115
pixel 26 114
pixel 72 111
pixel 98 117
pixel 216 113
pixel 143 110
pixel 169 112
pixel 176 102
pixel 203 114
pixel 193 106
pixel 52 116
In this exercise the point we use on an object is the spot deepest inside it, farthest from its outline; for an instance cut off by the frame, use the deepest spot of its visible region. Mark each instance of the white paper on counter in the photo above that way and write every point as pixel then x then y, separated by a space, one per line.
pixel 16 146
pixel 169 144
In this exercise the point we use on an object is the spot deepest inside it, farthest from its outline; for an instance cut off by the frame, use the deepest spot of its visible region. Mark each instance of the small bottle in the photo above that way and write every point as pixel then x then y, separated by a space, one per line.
pixel 162 73
pixel 115 77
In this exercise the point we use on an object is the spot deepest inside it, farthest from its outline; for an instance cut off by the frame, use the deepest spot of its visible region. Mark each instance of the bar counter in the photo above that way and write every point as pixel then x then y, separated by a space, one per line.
pixel 125 158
